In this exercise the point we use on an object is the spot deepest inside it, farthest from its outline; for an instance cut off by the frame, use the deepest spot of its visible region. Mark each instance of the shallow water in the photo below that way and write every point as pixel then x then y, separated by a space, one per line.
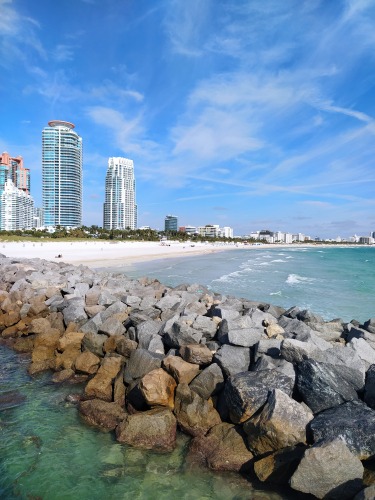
pixel 47 453
pixel 332 282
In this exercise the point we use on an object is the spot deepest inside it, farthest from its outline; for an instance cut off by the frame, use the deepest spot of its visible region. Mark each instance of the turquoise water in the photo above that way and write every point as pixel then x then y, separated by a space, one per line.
pixel 333 282
pixel 47 453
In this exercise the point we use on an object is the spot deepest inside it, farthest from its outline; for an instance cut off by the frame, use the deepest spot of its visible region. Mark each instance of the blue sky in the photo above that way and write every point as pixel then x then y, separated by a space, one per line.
pixel 253 114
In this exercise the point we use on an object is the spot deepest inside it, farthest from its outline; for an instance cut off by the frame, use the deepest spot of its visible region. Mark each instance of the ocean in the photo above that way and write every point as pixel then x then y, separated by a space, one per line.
pixel 333 282
pixel 47 453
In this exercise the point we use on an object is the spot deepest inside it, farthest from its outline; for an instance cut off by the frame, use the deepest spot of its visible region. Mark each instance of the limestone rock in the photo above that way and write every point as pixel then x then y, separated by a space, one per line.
pixel 278 467
pixel 152 430
pixel 158 388
pixel 87 362
pixel 101 414
pixel 329 470
pixel 223 449
pixel 195 415
pixel 197 354
pixel 182 371
pixel 100 387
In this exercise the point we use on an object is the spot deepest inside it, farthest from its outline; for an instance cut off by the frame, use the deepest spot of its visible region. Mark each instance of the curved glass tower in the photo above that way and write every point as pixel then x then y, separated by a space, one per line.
pixel 120 209
pixel 62 175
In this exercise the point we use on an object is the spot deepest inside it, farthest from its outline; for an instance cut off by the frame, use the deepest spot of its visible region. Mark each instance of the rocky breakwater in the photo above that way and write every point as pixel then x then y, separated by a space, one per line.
pixel 281 394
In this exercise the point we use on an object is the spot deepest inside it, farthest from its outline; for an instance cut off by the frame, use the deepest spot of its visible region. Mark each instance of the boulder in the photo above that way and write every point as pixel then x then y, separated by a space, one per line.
pixel 245 393
pixel 366 494
pixel 151 430
pixel 196 354
pixel 278 467
pixel 321 386
pixel 352 421
pixel 101 386
pixel 157 388
pixel 182 371
pixel 364 351
pixel 233 359
pixel 75 311
pixel 209 382
pixel 87 362
pixel 295 351
pixel 106 416
pixel 369 396
pixel 111 326
pixel 93 342
pixel 223 449
pixel 195 415
pixel 329 470
pixel 70 339
pixel 125 346
pixel 282 423
pixel 63 376
pixel 369 325
pixel 180 333
pixel 140 363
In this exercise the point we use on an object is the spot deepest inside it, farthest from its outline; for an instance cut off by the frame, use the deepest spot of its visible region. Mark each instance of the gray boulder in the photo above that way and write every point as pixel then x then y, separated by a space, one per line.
pixel 352 421
pixel 181 334
pixel 75 312
pixel 369 396
pixel 233 359
pixel 209 382
pixel 281 423
pixel 93 342
pixel 329 470
pixel 369 325
pixel 140 363
pixel 363 350
pixel 321 386
pixel 245 393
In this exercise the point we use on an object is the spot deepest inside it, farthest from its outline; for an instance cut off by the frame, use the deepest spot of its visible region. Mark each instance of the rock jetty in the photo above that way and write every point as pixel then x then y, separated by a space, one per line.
pixel 279 394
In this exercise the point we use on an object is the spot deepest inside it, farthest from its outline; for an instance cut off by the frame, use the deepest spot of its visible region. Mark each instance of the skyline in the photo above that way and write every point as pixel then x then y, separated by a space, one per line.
pixel 248 114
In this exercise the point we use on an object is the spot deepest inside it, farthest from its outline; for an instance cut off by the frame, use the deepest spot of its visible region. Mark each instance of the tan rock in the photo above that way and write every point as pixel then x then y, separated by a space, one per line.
pixel 38 305
pixel 93 310
pixel 62 376
pixel 10 318
pixel 10 332
pixel 152 430
pixel 40 366
pixel 110 345
pixel 182 371
pixel 119 390
pixel 195 415
pixel 87 362
pixel 223 448
pixel 274 330
pixel 125 346
pixel 278 467
pixel 198 354
pixel 43 353
pixel 10 305
pixel 157 388
pixel 101 414
pixel 49 338
pixel 66 359
pixel 24 344
pixel 40 325
pixel 101 386
pixel 70 339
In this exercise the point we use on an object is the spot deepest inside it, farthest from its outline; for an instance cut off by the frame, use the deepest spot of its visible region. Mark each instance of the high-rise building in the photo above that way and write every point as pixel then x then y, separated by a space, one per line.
pixel 120 209
pixel 16 204
pixel 171 223
pixel 62 175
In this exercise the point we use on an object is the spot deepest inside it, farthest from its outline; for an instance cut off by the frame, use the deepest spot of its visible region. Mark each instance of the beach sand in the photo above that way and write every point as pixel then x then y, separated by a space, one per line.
pixel 102 253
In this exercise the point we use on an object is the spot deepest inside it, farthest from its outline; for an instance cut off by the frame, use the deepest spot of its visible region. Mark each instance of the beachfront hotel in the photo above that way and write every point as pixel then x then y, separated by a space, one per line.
pixel 119 208
pixel 62 175
pixel 170 223
pixel 16 204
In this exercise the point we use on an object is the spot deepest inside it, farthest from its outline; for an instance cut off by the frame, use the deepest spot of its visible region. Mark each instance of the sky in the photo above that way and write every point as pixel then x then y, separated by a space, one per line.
pixel 243 113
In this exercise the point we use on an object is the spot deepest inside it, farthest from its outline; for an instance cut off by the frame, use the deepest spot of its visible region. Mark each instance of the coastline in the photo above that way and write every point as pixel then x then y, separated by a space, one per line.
pixel 105 254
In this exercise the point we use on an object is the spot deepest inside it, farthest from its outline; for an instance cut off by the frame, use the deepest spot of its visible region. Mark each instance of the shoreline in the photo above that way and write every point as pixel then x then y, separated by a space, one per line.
pixel 105 254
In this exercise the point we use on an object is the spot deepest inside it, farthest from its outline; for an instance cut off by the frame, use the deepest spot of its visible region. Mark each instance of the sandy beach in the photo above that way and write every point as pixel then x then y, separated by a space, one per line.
pixel 98 254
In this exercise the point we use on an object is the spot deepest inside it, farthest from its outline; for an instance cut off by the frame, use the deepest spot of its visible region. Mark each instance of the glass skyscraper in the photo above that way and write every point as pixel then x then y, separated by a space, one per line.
pixel 62 175
pixel 120 209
